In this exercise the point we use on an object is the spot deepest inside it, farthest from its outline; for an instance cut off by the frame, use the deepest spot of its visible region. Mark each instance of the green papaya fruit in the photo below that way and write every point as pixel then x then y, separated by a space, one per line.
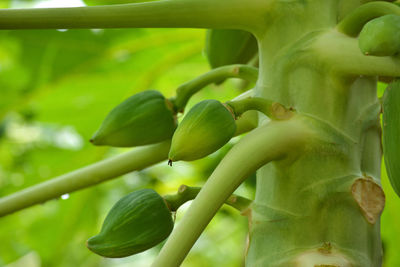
pixel 144 118
pixel 391 133
pixel 225 47
pixel 137 222
pixel 381 36
pixel 207 127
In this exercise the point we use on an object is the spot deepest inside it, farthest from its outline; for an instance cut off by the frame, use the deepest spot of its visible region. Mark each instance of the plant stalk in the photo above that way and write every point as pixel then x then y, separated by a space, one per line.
pixel 186 193
pixel 158 14
pixel 342 55
pixel 187 90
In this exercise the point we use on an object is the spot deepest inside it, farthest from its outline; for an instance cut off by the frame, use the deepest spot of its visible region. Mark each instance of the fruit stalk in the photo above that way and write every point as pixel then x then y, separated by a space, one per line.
pixel 186 193
pixel 353 23
pixel 188 89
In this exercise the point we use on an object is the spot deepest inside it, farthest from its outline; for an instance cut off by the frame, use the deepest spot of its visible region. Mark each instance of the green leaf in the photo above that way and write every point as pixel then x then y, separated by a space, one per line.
pixel 391 133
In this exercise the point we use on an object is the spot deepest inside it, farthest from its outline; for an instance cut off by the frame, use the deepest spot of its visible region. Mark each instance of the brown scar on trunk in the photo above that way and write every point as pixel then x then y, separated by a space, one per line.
pixel 369 197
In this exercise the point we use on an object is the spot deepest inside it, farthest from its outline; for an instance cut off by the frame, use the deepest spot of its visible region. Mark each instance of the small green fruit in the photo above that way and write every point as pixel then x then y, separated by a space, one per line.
pixel 206 128
pixel 225 47
pixel 391 133
pixel 142 119
pixel 381 36
pixel 135 223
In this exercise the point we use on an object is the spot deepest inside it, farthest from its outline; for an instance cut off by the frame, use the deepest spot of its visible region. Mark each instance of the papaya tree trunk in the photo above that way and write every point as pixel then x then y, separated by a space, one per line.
pixel 321 208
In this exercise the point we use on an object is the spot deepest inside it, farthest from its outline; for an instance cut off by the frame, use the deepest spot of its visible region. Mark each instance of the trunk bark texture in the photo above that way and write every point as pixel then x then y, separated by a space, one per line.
pixel 321 207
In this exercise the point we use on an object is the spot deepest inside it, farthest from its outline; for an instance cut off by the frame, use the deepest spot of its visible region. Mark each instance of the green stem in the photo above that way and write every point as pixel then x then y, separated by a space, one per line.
pixel 353 23
pixel 246 122
pixel 271 109
pixel 274 141
pixel 134 160
pixel 249 120
pixel 251 103
pixel 158 14
pixel 187 90
pixel 341 54
pixel 186 193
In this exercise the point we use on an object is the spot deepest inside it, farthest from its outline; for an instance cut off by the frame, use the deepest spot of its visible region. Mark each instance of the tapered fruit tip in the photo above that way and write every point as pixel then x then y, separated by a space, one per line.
pixel 233 199
pixel 88 245
pixel 182 188
pixel 89 242
pixel 95 140
pixel 170 162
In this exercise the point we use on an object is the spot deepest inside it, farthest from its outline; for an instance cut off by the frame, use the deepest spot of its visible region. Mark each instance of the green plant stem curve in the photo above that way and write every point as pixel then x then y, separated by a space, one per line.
pixel 353 23
pixel 188 89
pixel 251 103
pixel 273 141
pixel 186 193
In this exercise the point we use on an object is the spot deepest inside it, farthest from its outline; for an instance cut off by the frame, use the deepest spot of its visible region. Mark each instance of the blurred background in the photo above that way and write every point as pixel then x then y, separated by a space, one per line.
pixel 56 87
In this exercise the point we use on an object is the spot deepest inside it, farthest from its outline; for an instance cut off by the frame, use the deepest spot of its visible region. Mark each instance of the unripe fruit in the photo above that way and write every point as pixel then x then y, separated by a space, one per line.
pixel 225 47
pixel 144 118
pixel 135 223
pixel 381 36
pixel 207 127
pixel 391 133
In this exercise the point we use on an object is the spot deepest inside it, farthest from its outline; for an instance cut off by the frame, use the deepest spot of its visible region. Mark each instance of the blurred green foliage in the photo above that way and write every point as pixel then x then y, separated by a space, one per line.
pixel 56 88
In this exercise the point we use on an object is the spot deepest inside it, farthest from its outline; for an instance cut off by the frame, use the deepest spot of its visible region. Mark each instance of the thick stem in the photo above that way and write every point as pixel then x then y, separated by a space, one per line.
pixel 276 140
pixel 353 23
pixel 314 211
pixel 273 110
pixel 341 54
pixel 159 14
pixel 187 90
